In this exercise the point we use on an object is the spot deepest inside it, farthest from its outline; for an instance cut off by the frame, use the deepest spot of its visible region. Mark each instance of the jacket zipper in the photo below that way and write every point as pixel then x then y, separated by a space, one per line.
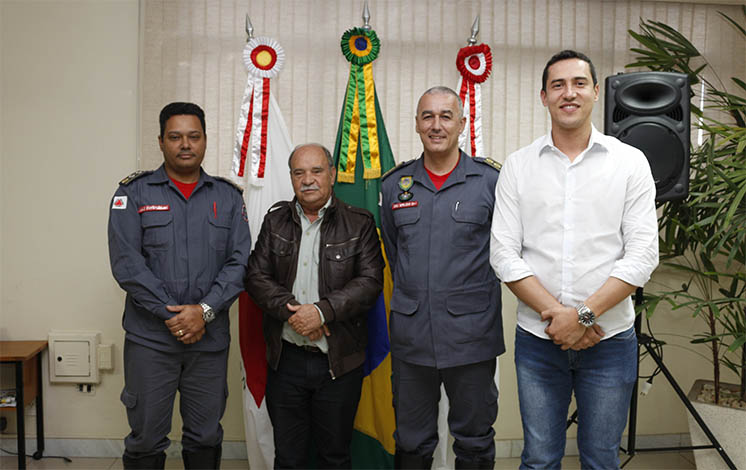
pixel 283 238
pixel 328 245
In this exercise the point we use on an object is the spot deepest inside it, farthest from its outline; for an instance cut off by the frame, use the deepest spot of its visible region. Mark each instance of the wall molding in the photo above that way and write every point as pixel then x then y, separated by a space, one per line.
pixel 236 450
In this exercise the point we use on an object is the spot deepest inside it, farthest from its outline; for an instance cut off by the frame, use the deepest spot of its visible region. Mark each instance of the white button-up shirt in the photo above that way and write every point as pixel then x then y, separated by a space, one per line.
pixel 575 224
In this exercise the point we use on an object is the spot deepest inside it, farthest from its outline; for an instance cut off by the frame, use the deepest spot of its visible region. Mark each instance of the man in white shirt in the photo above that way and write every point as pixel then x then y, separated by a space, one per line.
pixel 574 233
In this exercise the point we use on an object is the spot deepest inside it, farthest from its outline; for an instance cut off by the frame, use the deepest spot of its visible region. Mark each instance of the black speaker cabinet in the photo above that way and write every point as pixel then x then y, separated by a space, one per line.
pixel 650 111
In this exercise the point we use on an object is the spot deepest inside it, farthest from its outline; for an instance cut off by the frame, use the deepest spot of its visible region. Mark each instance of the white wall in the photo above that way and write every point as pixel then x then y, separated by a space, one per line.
pixel 69 95
pixel 69 102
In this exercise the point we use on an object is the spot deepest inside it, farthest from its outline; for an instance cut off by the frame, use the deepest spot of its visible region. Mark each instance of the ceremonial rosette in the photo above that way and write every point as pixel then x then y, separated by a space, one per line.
pixel 263 58
pixel 360 47
pixel 474 63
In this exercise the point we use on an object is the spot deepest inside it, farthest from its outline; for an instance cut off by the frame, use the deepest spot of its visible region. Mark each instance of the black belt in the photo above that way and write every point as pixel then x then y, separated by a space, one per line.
pixel 305 347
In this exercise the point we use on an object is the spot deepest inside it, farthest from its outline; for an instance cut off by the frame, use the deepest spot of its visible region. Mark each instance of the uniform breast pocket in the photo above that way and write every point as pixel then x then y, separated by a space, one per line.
pixel 157 229
pixel 220 229
pixel 470 226
pixel 406 219
pixel 341 259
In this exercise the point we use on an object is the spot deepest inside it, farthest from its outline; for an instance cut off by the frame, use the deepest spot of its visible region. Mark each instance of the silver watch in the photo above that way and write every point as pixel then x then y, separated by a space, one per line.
pixel 208 314
pixel 586 317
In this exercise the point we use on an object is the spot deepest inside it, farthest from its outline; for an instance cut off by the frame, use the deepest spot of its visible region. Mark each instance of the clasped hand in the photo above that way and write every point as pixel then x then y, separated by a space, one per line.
pixel 306 321
pixel 188 325
pixel 565 330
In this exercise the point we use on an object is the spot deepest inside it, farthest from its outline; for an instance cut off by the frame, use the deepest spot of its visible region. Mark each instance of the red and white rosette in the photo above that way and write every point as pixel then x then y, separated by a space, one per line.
pixel 263 57
pixel 474 63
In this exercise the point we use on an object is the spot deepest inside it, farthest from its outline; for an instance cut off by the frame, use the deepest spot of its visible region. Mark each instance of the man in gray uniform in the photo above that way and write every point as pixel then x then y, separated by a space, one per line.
pixel 445 322
pixel 179 244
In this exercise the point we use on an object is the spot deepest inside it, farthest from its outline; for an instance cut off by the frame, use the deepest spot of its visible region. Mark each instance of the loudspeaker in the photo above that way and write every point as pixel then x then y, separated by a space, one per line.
pixel 650 111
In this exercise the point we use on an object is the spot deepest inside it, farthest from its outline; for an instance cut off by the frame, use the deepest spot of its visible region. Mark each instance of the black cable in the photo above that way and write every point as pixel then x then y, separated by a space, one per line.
pixel 656 345
pixel 658 348
pixel 66 459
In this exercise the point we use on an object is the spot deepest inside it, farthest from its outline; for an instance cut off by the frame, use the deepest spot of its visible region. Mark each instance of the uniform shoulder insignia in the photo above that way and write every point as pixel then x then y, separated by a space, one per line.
pixel 488 161
pixel 400 165
pixel 230 182
pixel 133 176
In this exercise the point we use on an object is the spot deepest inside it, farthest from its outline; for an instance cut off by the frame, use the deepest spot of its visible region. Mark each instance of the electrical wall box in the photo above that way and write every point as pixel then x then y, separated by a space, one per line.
pixel 73 356
pixel 105 356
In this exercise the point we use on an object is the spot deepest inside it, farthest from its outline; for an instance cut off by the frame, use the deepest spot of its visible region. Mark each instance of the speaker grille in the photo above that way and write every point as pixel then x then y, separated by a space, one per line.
pixel 620 114
pixel 677 114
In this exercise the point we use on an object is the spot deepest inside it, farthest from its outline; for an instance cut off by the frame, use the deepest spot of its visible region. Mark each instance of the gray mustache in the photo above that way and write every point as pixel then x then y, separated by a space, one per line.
pixel 312 187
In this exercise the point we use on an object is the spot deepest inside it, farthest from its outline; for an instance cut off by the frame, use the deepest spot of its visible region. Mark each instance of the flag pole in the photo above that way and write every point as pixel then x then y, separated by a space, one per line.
pixel 249 29
pixel 474 32
pixel 366 17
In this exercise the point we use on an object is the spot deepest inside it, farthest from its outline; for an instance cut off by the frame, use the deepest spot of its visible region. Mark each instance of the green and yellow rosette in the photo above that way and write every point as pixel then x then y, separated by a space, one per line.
pixel 360 47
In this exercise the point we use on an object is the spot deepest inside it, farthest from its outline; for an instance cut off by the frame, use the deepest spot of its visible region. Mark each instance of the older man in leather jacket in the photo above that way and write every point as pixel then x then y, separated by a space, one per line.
pixel 315 272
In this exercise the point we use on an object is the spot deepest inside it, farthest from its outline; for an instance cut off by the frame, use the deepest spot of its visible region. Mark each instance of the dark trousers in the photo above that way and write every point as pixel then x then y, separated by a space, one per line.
pixel 306 405
pixel 151 380
pixel 472 398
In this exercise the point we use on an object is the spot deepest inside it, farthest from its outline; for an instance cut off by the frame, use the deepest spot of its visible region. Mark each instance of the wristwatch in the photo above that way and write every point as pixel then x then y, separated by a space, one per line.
pixel 586 317
pixel 208 314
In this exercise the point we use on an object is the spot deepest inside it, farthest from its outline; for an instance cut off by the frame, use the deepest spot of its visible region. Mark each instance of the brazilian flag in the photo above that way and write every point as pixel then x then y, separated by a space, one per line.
pixel 362 153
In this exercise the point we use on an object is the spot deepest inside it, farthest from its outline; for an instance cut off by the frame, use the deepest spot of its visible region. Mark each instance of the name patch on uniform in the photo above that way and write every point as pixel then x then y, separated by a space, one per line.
pixel 402 205
pixel 120 202
pixel 153 207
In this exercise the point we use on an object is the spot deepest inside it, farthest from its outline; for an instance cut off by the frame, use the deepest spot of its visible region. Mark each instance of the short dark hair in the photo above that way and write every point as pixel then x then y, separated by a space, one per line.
pixel 326 151
pixel 179 108
pixel 564 55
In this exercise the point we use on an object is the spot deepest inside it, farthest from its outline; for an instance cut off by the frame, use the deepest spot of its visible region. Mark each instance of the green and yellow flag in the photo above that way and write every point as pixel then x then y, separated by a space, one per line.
pixel 363 154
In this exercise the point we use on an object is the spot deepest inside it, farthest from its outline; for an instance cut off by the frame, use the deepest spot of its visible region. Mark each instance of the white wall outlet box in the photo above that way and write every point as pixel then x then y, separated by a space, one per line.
pixel 73 356
pixel 105 356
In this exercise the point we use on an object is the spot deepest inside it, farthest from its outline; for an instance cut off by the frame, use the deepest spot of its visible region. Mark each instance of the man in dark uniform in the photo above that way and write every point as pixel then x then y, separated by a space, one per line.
pixel 445 324
pixel 315 272
pixel 179 244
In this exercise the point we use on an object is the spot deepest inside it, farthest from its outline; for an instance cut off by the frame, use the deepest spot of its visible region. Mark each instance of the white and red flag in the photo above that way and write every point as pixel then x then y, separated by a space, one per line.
pixel 260 167
pixel 474 63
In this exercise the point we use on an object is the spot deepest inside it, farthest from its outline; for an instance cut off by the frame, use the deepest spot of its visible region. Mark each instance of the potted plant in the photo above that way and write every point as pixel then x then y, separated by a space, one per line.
pixel 704 236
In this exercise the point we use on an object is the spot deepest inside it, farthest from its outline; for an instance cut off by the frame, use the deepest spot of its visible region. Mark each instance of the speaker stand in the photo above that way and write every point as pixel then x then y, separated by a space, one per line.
pixel 649 344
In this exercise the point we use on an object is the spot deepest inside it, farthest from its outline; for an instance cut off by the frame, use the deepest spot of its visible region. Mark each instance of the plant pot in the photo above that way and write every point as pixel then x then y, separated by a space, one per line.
pixel 726 423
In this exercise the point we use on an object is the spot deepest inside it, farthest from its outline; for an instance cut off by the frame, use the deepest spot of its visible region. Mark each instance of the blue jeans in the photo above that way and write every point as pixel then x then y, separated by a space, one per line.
pixel 602 378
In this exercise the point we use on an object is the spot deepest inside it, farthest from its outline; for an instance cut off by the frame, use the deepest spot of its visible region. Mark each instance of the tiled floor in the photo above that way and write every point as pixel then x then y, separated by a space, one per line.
pixel 667 460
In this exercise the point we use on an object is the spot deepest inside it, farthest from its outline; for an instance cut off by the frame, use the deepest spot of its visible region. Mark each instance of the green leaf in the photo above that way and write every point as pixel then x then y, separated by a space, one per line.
pixel 734 206
pixel 738 343
pixel 733 22
pixel 739 82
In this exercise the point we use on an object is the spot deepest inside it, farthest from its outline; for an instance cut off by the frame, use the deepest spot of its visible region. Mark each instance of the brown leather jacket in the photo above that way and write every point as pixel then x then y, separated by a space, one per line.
pixel 350 278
